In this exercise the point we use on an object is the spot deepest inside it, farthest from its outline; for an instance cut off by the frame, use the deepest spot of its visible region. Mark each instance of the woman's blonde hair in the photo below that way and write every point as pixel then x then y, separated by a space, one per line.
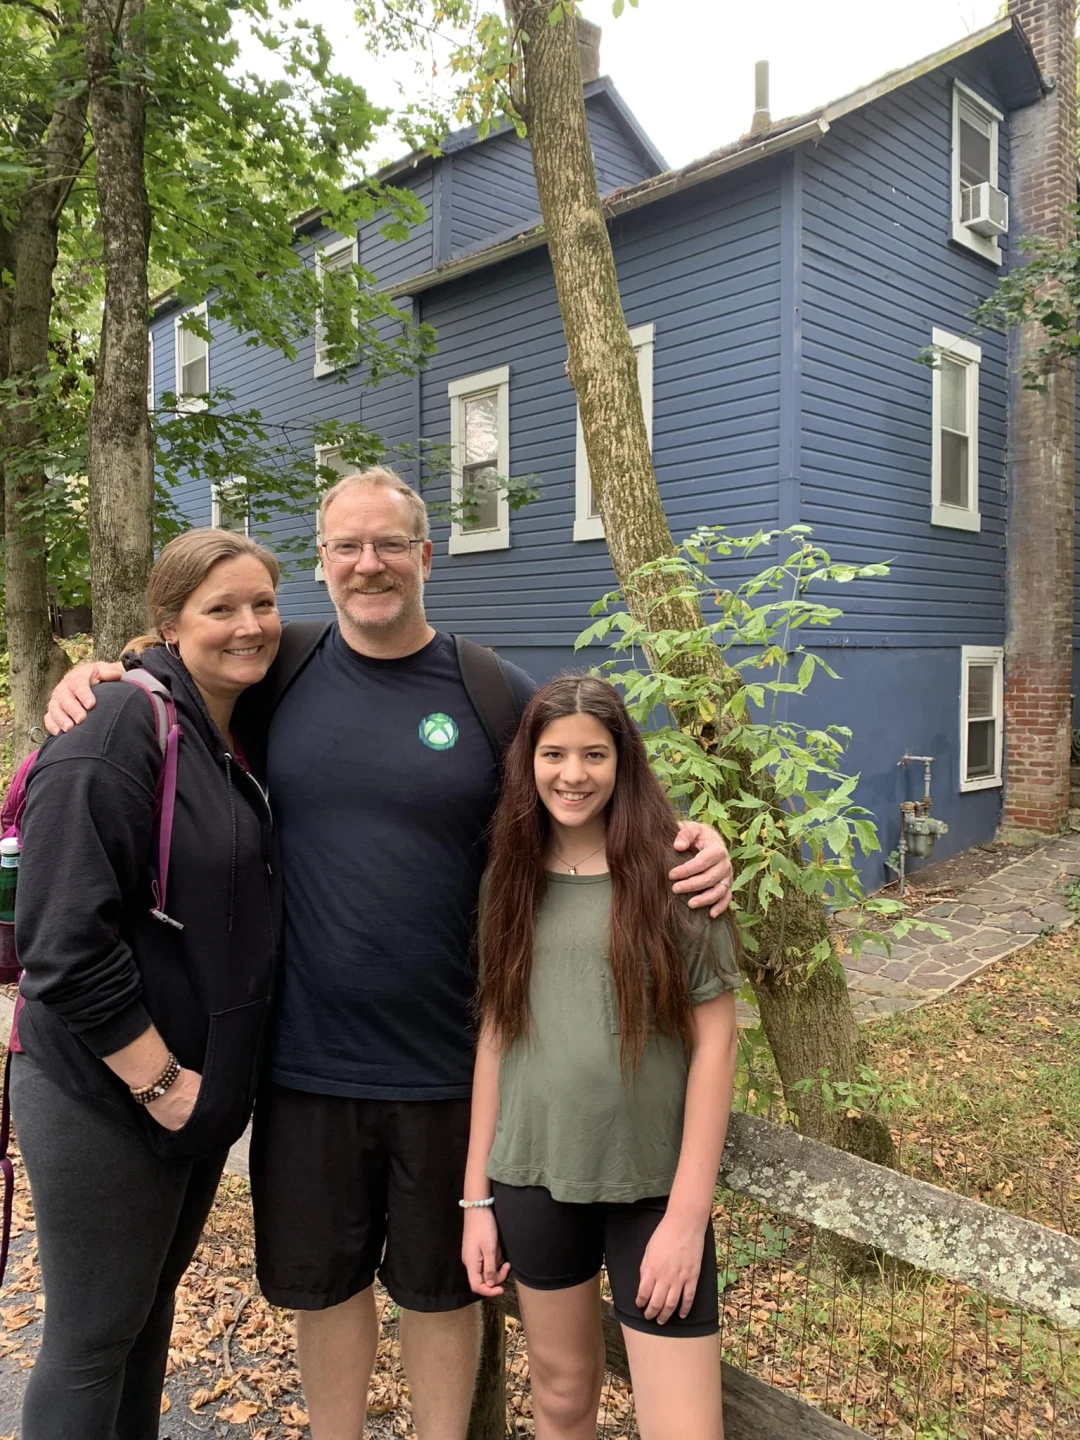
pixel 182 567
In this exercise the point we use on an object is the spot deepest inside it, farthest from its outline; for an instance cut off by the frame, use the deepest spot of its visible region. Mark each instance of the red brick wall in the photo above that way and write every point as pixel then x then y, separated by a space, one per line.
pixel 1041 460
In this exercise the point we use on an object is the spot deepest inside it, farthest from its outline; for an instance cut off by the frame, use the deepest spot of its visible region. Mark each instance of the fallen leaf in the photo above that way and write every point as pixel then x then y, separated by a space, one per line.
pixel 166 1404
pixel 240 1413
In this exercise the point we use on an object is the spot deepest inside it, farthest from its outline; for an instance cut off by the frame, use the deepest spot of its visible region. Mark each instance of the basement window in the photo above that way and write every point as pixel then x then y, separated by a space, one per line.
pixel 228 507
pixel 981 716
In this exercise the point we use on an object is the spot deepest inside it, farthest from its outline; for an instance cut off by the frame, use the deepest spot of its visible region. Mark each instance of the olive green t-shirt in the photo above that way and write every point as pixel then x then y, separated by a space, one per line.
pixel 567 1118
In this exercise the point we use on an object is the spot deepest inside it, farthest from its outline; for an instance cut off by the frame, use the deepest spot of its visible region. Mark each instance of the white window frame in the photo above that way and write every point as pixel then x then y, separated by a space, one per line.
pixel 955 517
pixel 330 251
pixel 189 404
pixel 151 395
pixel 982 655
pixel 588 526
pixel 215 506
pixel 321 452
pixel 985 245
pixel 469 541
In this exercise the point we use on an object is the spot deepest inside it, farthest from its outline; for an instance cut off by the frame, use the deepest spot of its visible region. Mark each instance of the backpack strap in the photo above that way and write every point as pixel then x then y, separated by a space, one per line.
pixel 299 641
pixel 489 690
pixel 168 732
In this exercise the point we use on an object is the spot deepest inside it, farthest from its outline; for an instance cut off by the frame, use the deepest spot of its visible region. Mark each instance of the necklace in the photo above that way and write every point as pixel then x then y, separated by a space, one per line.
pixel 573 869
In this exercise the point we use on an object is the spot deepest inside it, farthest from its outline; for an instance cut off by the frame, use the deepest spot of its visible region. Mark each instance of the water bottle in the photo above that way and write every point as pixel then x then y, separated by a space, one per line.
pixel 9 878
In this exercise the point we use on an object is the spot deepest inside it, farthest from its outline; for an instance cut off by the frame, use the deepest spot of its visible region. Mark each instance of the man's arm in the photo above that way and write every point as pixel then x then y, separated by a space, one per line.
pixel 74 696
pixel 706 876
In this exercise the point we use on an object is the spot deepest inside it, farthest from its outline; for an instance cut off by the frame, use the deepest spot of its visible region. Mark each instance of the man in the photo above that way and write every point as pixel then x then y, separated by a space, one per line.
pixel 383 780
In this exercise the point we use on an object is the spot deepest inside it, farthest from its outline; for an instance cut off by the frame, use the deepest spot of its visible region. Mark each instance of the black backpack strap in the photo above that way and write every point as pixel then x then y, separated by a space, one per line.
pixel 299 641
pixel 490 692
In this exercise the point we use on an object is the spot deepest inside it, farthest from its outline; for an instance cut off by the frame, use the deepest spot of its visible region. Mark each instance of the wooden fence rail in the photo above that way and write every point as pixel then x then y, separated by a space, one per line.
pixel 989 1250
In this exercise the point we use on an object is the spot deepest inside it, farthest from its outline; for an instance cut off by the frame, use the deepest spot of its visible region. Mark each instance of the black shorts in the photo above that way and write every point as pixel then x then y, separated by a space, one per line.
pixel 345 1189
pixel 553 1244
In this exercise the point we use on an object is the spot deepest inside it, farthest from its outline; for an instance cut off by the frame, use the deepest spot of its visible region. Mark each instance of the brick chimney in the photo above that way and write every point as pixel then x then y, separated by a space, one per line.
pixel 588 39
pixel 1041 464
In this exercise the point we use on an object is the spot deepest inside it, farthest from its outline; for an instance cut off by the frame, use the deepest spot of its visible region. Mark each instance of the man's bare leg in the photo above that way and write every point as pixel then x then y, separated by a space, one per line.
pixel 440 1353
pixel 336 1350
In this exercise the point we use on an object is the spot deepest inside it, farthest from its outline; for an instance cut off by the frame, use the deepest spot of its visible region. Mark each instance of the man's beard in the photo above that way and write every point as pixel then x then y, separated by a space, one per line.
pixel 408 608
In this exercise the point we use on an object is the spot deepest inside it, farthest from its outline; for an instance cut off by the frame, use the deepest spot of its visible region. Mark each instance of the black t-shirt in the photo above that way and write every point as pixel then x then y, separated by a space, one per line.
pixel 382 782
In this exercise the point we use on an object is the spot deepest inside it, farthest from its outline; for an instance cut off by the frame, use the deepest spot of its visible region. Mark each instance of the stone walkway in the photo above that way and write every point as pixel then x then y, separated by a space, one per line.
pixel 1000 914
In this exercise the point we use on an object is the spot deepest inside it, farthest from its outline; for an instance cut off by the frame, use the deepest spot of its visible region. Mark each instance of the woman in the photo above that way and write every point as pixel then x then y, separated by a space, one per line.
pixel 141 1034
pixel 604 1075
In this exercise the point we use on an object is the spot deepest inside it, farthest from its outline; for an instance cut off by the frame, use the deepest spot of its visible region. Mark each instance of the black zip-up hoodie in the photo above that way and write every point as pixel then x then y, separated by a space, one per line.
pixel 98 967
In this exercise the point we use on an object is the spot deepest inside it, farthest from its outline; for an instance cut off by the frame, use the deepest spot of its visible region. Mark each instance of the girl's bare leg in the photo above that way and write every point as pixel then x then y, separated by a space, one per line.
pixel 676 1385
pixel 566 1359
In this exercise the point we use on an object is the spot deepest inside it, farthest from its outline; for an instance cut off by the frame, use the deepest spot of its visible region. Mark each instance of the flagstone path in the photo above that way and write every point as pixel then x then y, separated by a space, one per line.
pixel 1000 914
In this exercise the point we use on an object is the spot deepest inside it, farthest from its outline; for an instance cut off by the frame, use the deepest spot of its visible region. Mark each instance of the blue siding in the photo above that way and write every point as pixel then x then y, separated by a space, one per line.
pixel 879 275
pixel 494 190
pixel 705 271
pixel 790 302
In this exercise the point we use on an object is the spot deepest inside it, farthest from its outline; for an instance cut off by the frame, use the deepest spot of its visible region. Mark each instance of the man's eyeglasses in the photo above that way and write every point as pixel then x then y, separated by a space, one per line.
pixel 392 547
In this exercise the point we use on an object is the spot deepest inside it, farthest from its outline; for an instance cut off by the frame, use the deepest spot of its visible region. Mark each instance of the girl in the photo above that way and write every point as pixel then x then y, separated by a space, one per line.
pixel 604 1075
pixel 141 1040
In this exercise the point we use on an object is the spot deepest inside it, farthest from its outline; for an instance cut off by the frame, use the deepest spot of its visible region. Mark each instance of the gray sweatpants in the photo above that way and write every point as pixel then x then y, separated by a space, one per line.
pixel 116 1230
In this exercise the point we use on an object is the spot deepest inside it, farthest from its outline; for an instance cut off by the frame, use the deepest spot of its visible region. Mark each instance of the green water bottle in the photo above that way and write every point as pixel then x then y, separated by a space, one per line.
pixel 9 878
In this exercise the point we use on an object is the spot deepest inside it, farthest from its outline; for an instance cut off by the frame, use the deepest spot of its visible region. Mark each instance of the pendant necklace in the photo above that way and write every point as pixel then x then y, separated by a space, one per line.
pixel 573 869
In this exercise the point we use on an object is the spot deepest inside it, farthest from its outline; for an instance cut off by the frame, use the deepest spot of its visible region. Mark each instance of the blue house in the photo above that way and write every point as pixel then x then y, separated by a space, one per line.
pixel 779 293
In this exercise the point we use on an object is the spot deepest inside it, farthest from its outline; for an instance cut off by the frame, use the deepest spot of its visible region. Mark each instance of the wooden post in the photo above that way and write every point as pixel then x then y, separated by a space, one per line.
pixel 488 1418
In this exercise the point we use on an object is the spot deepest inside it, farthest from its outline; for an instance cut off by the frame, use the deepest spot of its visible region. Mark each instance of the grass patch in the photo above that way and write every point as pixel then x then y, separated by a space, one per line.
pixel 995 1075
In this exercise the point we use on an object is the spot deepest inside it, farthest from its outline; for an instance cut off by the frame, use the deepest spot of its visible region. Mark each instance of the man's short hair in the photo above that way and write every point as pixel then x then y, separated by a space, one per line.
pixel 381 476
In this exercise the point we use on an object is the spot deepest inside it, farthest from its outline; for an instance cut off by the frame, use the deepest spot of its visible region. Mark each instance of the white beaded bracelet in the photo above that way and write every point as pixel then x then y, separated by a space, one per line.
pixel 476 1204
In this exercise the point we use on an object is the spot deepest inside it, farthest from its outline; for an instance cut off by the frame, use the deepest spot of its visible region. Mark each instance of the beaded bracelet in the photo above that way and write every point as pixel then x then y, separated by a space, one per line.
pixel 477 1204
pixel 145 1094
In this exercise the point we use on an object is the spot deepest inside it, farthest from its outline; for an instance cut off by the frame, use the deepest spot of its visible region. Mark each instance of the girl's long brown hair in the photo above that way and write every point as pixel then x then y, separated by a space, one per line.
pixel 648 966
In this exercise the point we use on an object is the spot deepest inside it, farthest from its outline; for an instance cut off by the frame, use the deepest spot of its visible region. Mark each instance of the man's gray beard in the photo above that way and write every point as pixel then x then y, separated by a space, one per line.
pixel 401 620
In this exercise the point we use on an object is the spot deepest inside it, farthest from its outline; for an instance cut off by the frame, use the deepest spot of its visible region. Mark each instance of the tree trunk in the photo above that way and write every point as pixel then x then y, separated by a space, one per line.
pixel 806 1015
pixel 36 660
pixel 121 475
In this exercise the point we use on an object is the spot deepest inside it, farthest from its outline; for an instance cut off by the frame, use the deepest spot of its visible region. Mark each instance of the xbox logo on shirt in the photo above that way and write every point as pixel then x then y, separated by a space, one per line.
pixel 438 731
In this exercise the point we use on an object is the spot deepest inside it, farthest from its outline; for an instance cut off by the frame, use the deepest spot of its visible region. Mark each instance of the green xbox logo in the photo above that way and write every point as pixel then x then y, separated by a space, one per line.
pixel 438 731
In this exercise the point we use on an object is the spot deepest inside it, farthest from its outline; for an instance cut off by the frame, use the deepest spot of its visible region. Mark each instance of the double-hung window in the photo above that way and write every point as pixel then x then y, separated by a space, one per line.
pixel 192 364
pixel 339 255
pixel 331 457
pixel 480 459
pixel 587 522
pixel 229 506
pixel 150 372
pixel 955 441
pixel 975 127
pixel 981 716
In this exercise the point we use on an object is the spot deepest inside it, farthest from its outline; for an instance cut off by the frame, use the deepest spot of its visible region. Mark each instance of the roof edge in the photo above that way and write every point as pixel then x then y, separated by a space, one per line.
pixel 894 79
pixel 619 203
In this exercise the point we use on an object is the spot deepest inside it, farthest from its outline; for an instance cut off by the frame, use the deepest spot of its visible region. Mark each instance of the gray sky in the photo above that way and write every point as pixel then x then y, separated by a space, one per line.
pixel 686 67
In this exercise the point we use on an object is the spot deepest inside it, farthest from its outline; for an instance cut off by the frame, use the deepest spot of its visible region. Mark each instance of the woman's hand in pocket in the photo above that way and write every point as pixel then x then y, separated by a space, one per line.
pixel 481 1254
pixel 173 1110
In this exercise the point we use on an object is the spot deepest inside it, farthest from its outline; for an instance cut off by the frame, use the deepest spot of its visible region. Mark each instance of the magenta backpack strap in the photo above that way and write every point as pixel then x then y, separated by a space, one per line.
pixel 168 736
pixel 6 1167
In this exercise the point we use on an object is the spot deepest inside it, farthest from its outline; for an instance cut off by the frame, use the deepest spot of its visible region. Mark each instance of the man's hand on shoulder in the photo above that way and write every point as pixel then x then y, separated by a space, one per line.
pixel 74 695
pixel 706 876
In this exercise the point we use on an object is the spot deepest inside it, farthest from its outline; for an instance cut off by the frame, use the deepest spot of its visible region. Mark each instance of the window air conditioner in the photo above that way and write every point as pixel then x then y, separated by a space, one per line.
pixel 984 209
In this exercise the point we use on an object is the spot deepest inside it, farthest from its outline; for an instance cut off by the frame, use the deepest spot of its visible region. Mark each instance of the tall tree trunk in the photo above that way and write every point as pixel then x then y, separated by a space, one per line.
pixel 36 660
pixel 806 1013
pixel 121 477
